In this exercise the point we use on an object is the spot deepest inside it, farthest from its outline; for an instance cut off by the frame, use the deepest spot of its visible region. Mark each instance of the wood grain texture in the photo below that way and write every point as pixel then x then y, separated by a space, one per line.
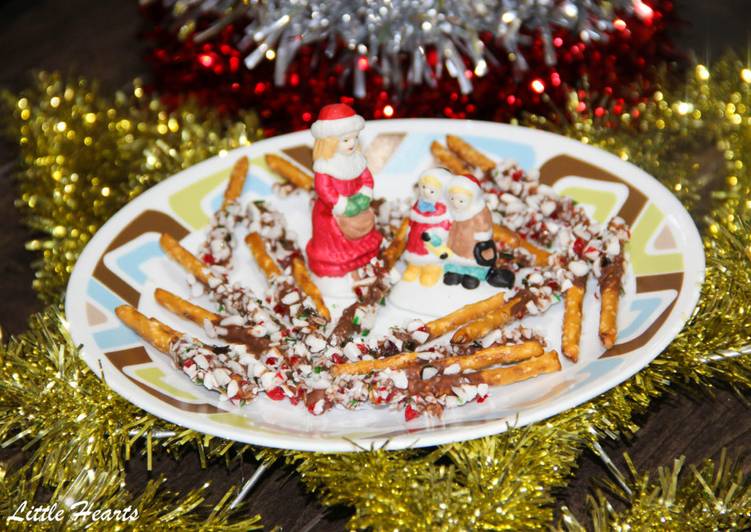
pixel 100 39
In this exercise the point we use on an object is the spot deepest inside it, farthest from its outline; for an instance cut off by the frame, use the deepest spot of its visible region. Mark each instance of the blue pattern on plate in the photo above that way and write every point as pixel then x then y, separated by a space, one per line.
pixel 646 307
pixel 116 336
pixel 403 161
pixel 132 261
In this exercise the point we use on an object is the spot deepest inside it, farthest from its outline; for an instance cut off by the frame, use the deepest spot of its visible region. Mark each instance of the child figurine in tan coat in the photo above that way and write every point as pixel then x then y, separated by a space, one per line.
pixel 470 239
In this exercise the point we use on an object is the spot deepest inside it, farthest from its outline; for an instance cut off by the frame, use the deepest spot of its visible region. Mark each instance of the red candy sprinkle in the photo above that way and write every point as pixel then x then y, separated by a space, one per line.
pixel 276 394
pixel 410 413
pixel 271 361
pixel 579 246
pixel 208 258
pixel 338 359
pixel 481 398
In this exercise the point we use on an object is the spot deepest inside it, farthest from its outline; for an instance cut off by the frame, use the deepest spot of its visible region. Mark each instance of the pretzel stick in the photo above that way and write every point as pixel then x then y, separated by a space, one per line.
pixel 264 260
pixel 235 334
pixel 241 300
pixel 527 369
pixel 482 326
pixel 468 153
pixel 511 238
pixel 306 284
pixel 608 314
pixel 610 292
pixel 150 329
pixel 366 366
pixel 490 356
pixel 395 249
pixel 185 309
pixel 572 319
pixel 289 171
pixel 497 354
pixel 444 384
pixel 467 313
pixel 236 181
pixel 448 159
pixel 184 258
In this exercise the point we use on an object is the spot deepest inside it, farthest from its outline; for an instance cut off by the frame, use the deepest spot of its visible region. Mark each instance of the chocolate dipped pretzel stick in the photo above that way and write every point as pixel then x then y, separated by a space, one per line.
pixel 572 318
pixel 395 249
pixel 515 308
pixel 185 309
pixel 469 153
pixel 289 171
pixel 511 238
pixel 228 328
pixel 184 258
pixel 218 246
pixel 287 254
pixel 262 257
pixel 467 313
pixel 215 367
pixel 236 181
pixel 152 330
pixel 610 291
pixel 236 299
pixel 499 354
pixel 447 158
pixel 305 282
pixel 527 369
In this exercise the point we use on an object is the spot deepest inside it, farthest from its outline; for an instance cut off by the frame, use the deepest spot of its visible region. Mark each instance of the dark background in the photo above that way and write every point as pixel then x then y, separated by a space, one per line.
pixel 100 39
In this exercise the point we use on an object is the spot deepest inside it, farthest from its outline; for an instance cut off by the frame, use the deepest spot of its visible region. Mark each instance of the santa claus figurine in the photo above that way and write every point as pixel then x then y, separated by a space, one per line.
pixel 429 223
pixel 344 233
pixel 470 239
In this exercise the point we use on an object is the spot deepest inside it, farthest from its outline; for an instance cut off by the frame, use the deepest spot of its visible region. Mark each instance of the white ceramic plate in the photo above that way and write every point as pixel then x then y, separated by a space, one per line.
pixel 123 264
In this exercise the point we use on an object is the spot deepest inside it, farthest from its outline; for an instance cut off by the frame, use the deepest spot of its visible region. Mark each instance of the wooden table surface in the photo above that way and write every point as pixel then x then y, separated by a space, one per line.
pixel 99 39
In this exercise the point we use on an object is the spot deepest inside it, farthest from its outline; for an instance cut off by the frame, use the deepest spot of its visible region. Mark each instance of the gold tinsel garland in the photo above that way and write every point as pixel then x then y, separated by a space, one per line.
pixel 84 156
pixel 708 497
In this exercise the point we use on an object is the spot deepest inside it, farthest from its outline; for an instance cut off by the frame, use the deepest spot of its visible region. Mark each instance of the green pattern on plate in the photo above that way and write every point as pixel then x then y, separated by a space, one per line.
pixel 155 377
pixel 603 201
pixel 186 203
pixel 643 262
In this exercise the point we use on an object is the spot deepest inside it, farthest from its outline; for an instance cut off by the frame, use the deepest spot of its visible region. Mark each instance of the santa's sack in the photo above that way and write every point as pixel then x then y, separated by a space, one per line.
pixel 357 226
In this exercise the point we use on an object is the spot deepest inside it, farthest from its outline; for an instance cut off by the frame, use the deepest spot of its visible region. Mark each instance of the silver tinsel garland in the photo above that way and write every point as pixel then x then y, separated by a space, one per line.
pixel 392 37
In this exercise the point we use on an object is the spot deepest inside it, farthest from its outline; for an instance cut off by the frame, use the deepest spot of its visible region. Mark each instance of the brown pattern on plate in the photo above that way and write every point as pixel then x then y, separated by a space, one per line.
pixel 146 222
pixel 564 166
pixel 302 155
pixel 650 283
pixel 138 355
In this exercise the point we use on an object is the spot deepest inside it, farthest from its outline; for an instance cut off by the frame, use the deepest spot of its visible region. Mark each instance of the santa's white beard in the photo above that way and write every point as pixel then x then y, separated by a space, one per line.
pixel 342 166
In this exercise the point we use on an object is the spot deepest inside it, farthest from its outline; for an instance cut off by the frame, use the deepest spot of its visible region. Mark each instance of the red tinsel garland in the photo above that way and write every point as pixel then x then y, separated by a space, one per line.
pixel 620 70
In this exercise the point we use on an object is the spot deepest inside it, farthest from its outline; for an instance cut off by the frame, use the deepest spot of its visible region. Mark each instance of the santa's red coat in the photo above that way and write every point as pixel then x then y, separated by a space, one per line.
pixel 330 253
pixel 420 222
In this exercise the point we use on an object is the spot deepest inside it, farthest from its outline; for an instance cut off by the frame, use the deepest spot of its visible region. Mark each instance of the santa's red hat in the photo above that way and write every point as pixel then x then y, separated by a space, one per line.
pixel 336 119
pixel 466 182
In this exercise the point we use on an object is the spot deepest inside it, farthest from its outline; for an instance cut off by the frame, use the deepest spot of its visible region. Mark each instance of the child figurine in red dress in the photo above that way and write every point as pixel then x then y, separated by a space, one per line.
pixel 344 233
pixel 428 219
